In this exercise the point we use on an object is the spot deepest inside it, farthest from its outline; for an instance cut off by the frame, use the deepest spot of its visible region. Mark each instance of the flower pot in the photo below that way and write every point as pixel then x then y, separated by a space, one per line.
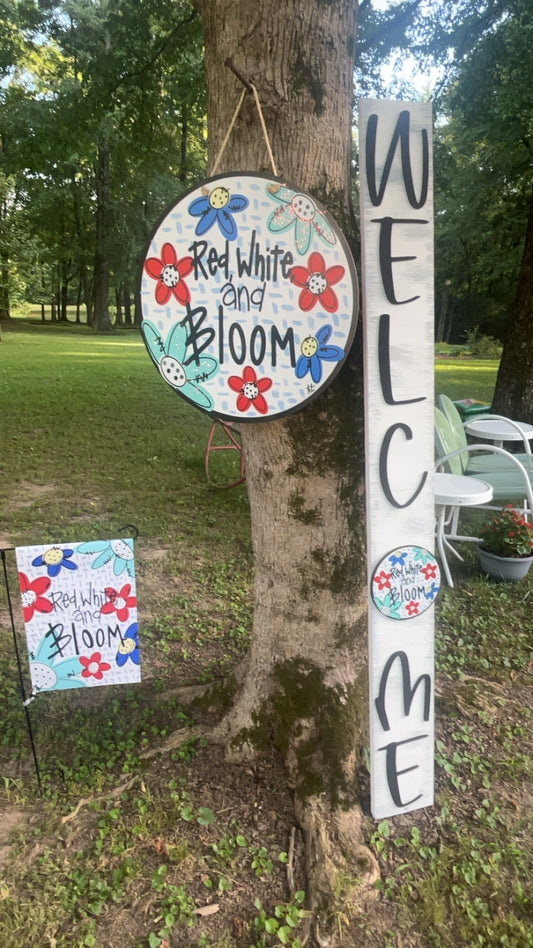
pixel 504 568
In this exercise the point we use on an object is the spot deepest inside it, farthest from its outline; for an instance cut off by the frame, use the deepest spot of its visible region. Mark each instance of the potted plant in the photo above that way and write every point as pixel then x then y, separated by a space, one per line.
pixel 506 547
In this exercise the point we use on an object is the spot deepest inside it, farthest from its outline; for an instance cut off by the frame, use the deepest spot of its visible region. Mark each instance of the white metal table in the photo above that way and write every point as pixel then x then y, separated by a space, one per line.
pixel 499 430
pixel 455 491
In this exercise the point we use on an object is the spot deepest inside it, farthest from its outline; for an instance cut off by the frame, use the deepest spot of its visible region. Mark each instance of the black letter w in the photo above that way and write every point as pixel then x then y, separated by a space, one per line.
pixel 400 132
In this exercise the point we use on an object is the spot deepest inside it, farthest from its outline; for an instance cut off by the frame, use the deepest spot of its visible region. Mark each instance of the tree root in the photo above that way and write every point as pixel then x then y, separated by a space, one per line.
pixel 111 794
pixel 340 870
pixel 174 740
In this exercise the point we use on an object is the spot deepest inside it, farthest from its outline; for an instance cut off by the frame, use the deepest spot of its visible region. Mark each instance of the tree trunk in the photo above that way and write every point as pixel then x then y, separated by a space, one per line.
pixel 118 304
pixel 127 307
pixel 305 683
pixel 102 321
pixel 5 310
pixel 64 301
pixel 514 386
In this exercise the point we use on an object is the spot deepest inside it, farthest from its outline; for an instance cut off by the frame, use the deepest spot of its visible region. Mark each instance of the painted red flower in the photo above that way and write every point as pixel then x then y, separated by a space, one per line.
pixel 383 580
pixel 250 390
pixel 429 571
pixel 316 282
pixel 94 667
pixel 169 272
pixel 32 595
pixel 412 608
pixel 119 602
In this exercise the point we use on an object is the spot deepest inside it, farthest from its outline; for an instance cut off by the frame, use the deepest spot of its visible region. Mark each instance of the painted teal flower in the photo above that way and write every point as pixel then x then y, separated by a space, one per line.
pixel 50 672
pixel 55 559
pixel 299 211
pixel 121 551
pixel 169 358
pixel 388 606
pixel 423 555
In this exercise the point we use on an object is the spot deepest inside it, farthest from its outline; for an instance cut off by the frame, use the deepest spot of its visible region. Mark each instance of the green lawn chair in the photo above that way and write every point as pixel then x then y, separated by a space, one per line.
pixel 512 483
pixel 483 462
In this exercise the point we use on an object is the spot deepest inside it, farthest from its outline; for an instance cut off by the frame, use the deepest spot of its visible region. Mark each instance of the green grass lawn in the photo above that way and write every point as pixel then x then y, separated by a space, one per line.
pixel 466 378
pixel 92 440
pixel 90 413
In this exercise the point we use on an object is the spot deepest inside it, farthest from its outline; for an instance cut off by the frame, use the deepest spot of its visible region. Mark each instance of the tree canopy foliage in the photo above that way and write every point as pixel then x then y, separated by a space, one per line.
pixel 479 55
pixel 102 125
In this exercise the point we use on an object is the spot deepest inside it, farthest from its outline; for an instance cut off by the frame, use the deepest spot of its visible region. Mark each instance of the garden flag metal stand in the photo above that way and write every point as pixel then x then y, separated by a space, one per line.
pixel 79 605
pixel 25 701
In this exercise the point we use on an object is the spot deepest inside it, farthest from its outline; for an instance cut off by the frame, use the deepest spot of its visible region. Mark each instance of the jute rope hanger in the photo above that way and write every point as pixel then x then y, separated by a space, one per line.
pixel 248 87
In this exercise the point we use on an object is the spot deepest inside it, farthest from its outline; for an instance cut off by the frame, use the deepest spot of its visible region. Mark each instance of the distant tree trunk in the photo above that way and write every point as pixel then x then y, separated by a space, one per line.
pixel 5 309
pixel 118 304
pixel 441 325
pixel 449 327
pixel 64 301
pixel 5 312
pixel 138 313
pixel 305 685
pixel 78 303
pixel 102 322
pixel 87 296
pixel 127 306
pixel 513 395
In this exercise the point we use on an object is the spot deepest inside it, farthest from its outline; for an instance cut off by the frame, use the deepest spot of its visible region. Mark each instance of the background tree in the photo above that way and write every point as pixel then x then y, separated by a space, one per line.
pixel 483 161
pixel 103 118
pixel 305 681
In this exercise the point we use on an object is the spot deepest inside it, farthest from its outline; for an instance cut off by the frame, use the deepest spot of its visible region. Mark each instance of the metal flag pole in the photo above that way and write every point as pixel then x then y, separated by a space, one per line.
pixel 26 701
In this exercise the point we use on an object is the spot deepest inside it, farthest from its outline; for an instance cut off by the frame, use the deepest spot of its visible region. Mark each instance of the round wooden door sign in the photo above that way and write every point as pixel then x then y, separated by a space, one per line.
pixel 405 582
pixel 249 297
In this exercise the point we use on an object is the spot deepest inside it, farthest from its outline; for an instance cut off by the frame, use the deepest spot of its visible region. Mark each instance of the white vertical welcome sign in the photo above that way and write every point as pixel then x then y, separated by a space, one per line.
pixel 397 266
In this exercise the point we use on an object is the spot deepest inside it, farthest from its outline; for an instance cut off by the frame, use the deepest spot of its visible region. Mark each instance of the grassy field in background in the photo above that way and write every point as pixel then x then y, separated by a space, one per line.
pixel 134 837
pixel 466 378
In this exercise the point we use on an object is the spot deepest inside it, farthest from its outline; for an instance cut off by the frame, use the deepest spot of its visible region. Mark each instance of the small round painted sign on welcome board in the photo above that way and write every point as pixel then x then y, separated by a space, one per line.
pixel 249 297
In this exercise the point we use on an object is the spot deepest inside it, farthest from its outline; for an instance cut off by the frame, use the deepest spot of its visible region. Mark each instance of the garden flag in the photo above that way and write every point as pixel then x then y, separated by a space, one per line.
pixel 80 613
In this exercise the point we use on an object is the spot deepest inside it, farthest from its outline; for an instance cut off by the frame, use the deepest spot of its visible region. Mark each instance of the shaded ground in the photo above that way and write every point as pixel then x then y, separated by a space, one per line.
pixel 145 839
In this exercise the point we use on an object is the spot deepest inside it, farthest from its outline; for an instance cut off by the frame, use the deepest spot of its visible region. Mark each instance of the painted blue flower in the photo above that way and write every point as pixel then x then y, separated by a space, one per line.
pixel 50 672
pixel 129 647
pixel 432 591
pixel 218 206
pixel 119 550
pixel 169 357
pixel 398 560
pixel 314 350
pixel 55 559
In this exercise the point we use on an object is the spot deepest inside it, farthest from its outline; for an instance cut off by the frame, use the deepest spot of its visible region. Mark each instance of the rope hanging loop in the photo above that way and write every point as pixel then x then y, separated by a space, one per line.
pixel 248 87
